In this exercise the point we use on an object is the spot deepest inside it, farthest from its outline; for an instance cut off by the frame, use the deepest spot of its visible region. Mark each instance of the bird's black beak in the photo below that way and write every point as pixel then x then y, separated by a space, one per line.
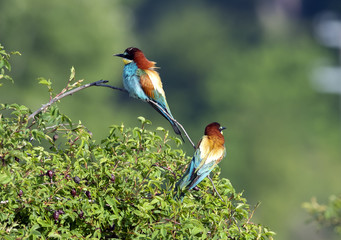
pixel 222 128
pixel 119 55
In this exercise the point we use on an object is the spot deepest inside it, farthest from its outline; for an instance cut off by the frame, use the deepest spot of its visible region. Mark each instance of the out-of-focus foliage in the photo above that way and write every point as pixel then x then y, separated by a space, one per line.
pixel 53 36
pixel 328 216
pixel 5 66
pixel 56 182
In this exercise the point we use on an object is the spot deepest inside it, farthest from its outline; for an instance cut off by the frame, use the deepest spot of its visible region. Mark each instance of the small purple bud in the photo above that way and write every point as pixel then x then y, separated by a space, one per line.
pixel 60 211
pixel 49 173
pixel 77 179
pixel 55 137
pixel 20 193
pixel 112 227
pixel 88 194
pixel 73 192
pixel 196 188
pixel 90 133
pixel 56 215
pixel 112 178
pixel 81 214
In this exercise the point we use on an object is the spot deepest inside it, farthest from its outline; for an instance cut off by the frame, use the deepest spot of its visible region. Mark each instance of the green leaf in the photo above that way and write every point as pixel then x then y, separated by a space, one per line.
pixel 141 119
pixel 110 201
pixel 5 178
pixel 54 235
pixel 196 230
pixel 72 74
pixel 43 81
pixel 160 129
pixel 155 234
pixel 42 222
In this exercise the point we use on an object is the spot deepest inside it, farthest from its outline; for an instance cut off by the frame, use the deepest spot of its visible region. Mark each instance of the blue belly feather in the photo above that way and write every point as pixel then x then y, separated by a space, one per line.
pixel 131 82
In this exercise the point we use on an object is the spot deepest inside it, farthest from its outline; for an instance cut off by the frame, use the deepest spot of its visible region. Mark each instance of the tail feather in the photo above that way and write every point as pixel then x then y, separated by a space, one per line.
pixel 178 196
pixel 184 182
pixel 174 125
pixel 179 191
pixel 195 180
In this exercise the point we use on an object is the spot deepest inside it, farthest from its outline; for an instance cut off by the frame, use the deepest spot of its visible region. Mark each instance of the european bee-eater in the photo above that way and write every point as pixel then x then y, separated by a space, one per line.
pixel 142 81
pixel 209 152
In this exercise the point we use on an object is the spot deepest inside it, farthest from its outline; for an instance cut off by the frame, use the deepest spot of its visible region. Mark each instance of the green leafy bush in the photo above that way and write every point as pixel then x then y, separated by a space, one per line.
pixel 56 182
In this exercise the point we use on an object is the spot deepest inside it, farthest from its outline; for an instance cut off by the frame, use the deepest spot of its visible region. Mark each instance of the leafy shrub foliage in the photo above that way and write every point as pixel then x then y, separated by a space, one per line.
pixel 58 183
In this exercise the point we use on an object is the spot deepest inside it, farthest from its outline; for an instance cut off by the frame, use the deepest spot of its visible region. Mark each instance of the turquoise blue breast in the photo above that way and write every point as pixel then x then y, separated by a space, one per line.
pixel 131 82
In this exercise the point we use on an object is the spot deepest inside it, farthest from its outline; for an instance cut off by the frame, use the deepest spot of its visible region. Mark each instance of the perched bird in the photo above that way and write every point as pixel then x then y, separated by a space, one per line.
pixel 142 81
pixel 209 152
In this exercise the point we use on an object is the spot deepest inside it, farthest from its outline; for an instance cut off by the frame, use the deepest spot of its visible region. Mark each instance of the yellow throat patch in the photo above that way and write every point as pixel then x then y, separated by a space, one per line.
pixel 126 61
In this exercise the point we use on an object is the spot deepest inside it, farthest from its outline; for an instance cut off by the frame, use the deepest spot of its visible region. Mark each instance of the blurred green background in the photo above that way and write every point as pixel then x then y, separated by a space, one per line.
pixel 246 64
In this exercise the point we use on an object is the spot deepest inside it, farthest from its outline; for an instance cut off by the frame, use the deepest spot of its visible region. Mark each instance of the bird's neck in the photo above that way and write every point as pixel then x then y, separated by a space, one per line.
pixel 142 62
pixel 219 140
pixel 216 136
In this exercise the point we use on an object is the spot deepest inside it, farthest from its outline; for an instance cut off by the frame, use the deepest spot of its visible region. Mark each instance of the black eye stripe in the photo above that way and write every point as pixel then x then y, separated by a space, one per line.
pixel 130 52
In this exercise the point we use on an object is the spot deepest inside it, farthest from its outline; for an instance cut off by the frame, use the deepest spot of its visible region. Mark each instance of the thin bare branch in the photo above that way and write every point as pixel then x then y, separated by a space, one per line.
pixel 58 97
pixel 215 188
pixel 109 86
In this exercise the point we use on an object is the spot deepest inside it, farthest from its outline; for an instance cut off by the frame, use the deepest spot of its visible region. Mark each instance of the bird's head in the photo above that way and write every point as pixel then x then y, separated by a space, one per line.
pixel 133 54
pixel 128 55
pixel 214 128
